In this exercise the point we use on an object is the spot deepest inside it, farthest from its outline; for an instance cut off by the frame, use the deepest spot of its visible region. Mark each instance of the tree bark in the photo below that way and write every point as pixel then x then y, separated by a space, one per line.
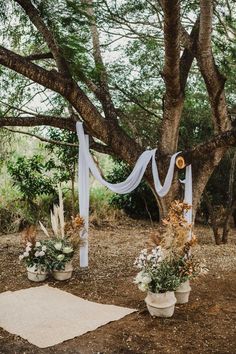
pixel 229 207
pixel 212 215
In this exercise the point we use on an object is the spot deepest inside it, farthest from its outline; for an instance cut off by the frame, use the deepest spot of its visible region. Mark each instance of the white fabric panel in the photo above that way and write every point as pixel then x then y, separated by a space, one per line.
pixel 86 162
pixel 83 178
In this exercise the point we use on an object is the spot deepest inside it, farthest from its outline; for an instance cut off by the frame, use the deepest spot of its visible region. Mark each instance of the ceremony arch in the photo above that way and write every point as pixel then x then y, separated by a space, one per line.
pixel 87 163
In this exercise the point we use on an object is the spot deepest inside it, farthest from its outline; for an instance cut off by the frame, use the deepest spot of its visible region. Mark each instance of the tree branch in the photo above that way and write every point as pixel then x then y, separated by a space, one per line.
pixel 206 150
pixel 36 19
pixel 214 80
pixel 104 93
pixel 172 47
pixel 92 144
pixel 30 121
pixel 40 56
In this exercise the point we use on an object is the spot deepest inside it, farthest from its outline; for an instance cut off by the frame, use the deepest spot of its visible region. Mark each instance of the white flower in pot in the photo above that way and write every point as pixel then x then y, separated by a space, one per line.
pixel 35 258
pixel 158 279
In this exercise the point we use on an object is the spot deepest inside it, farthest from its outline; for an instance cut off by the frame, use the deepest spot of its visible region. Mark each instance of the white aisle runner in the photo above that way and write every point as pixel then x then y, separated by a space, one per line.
pixel 47 316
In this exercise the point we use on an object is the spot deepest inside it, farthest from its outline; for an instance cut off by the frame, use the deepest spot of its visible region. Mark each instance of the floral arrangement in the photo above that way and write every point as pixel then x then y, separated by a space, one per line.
pixel 57 250
pixel 156 274
pixel 65 239
pixel 171 262
pixel 36 252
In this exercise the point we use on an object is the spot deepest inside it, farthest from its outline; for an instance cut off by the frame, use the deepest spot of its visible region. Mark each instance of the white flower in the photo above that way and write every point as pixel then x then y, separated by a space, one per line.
pixel 58 246
pixel 29 244
pixel 21 256
pixel 67 250
pixel 146 279
pixel 138 278
pixel 41 253
pixel 26 254
pixel 143 287
pixel 60 257
pixel 38 244
pixel 36 254
pixel 28 249
pixel 44 248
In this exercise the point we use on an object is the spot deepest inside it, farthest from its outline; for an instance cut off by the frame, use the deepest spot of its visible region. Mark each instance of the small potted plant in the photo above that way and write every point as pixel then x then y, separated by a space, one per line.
pixel 64 242
pixel 35 256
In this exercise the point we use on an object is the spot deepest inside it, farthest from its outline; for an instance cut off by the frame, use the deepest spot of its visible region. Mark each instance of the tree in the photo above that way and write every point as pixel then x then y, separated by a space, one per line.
pixel 57 56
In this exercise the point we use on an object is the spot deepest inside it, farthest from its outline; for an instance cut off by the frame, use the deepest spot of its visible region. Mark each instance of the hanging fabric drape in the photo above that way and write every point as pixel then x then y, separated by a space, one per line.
pixel 87 163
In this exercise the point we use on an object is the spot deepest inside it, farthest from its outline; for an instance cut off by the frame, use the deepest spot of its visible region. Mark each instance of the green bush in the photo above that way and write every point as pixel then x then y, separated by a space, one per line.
pixel 140 203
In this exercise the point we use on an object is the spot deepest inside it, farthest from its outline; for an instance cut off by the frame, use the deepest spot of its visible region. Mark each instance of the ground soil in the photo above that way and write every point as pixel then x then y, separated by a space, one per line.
pixel 207 324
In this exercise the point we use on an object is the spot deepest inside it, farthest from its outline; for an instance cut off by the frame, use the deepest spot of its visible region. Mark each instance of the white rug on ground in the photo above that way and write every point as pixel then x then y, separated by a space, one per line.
pixel 46 316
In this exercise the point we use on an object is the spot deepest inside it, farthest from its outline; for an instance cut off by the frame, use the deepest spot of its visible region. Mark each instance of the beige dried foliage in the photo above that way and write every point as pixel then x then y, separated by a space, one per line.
pixel 175 234
pixel 72 230
pixel 29 235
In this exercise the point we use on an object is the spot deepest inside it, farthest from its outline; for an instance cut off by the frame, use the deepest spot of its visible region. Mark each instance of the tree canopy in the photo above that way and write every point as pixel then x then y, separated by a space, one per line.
pixel 139 74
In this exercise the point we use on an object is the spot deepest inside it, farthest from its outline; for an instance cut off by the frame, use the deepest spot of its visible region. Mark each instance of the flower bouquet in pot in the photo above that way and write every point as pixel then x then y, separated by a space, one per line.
pixel 35 256
pixel 157 276
pixel 64 241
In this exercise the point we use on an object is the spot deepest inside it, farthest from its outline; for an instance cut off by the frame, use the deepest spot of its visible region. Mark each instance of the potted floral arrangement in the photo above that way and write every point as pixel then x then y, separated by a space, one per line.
pixel 157 276
pixel 165 271
pixel 64 241
pixel 35 256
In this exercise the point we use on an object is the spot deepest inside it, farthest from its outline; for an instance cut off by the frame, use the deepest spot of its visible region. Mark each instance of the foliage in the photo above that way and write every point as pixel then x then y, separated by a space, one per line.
pixel 29 176
pixel 66 156
pixel 60 252
pixel 140 203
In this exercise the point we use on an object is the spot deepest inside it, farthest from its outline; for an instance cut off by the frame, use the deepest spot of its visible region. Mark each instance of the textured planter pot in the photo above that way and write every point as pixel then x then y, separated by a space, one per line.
pixel 182 293
pixel 161 304
pixel 63 274
pixel 37 274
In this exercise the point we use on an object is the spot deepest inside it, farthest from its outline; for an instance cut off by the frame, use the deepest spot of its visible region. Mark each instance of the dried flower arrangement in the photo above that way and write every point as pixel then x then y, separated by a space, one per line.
pixel 57 250
pixel 65 239
pixel 171 262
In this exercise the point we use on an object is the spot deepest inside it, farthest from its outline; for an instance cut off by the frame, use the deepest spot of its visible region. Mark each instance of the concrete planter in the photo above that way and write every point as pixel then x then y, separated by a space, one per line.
pixel 63 274
pixel 37 273
pixel 161 304
pixel 182 293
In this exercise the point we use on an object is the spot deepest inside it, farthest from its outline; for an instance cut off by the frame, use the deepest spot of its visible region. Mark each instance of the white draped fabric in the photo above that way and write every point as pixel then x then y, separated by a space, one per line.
pixel 87 163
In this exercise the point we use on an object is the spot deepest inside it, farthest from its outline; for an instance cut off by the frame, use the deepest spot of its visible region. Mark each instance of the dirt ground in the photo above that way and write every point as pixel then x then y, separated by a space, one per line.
pixel 207 324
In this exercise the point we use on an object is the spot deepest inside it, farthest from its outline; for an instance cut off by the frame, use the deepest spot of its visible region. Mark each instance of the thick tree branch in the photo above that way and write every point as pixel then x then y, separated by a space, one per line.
pixel 35 18
pixel 214 80
pixel 172 47
pixel 206 150
pixel 40 56
pixel 173 99
pixel 108 132
pixel 31 121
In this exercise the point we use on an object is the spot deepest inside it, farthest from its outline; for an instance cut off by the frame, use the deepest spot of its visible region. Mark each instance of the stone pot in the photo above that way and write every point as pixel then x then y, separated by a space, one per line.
pixel 63 274
pixel 161 304
pixel 182 293
pixel 37 273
